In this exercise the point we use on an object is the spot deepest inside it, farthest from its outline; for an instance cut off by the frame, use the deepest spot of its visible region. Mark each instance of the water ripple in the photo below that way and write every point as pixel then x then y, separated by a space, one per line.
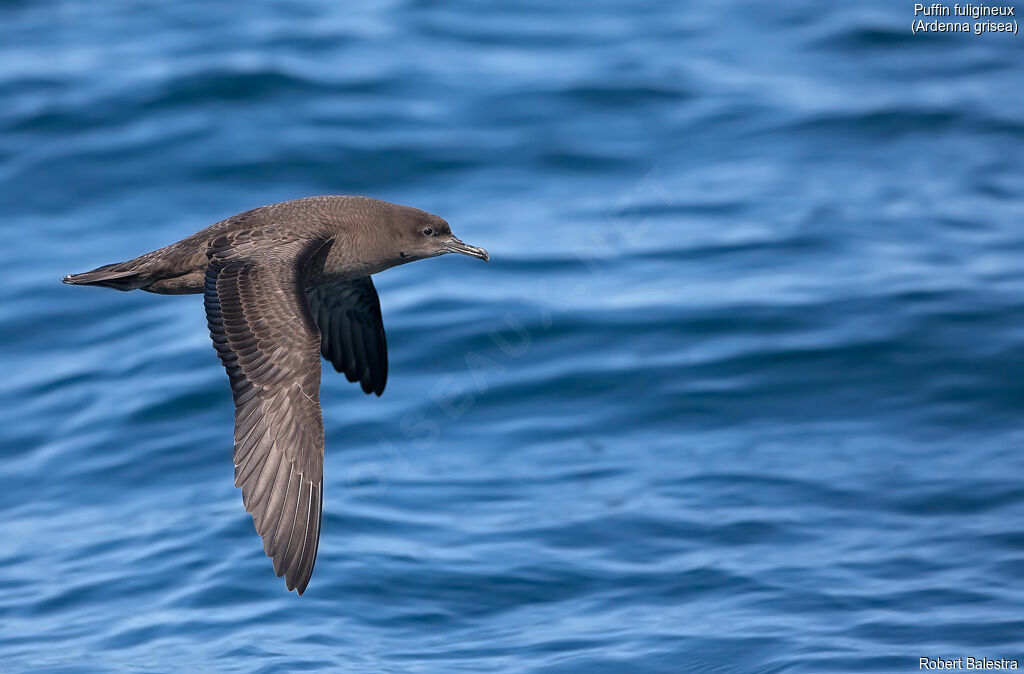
pixel 739 391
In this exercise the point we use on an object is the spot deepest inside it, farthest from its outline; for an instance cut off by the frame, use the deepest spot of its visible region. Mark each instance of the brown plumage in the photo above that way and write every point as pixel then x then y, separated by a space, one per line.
pixel 283 284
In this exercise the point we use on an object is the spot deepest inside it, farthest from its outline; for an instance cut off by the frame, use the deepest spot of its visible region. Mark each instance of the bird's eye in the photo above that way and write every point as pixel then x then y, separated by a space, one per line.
pixel 428 231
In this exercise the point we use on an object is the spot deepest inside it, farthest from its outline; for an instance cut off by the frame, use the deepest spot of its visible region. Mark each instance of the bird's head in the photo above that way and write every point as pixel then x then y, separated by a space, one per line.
pixel 376 235
pixel 418 234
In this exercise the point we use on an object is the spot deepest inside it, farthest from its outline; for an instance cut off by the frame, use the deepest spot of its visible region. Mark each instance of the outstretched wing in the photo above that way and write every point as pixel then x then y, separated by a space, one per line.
pixel 265 336
pixel 348 315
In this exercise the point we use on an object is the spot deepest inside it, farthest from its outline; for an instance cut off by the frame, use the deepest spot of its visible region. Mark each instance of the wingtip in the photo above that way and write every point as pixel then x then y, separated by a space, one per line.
pixel 298 585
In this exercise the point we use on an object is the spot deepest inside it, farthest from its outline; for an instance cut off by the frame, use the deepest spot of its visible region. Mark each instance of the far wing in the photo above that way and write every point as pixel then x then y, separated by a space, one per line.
pixel 348 315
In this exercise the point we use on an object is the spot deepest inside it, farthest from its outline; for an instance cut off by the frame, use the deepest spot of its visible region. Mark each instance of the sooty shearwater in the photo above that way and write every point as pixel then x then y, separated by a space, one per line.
pixel 283 284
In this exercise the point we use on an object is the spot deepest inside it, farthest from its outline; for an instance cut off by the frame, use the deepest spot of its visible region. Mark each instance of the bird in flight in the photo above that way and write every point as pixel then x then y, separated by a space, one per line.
pixel 283 284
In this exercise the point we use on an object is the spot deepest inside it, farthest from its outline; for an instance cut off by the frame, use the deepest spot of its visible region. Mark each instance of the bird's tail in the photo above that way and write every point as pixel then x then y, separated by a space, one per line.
pixel 120 276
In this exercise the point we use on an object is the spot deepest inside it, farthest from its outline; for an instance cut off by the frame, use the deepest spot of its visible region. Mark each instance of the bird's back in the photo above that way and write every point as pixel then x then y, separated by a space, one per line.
pixel 180 268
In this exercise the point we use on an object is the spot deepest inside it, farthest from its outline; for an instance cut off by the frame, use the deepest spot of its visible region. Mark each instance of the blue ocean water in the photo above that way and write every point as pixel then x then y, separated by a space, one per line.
pixel 740 390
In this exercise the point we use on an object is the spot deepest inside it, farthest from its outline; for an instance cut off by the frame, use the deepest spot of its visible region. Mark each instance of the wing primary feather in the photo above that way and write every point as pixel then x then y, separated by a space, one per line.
pixel 263 488
pixel 301 533
pixel 281 558
pixel 276 505
pixel 309 553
